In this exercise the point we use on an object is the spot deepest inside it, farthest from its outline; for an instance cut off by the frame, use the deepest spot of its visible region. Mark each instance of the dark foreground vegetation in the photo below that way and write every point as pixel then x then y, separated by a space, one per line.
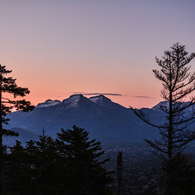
pixel 69 165
pixel 72 167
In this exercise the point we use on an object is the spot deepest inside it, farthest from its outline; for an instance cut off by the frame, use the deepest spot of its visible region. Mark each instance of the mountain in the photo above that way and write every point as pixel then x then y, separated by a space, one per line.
pixel 48 103
pixel 105 120
pixel 105 102
pixel 24 135
pixel 160 104
pixel 164 105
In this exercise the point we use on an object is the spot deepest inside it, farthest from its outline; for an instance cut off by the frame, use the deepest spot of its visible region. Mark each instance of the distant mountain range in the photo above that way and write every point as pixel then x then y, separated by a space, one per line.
pixel 105 120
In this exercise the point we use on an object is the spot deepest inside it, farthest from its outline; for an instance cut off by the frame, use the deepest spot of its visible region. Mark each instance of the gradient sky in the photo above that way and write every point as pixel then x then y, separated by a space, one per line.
pixel 60 47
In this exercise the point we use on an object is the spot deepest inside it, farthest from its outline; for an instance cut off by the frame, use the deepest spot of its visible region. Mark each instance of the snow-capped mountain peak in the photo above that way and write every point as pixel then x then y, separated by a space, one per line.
pixel 73 100
pixel 48 103
pixel 104 101
pixel 78 100
pixel 100 100
pixel 163 104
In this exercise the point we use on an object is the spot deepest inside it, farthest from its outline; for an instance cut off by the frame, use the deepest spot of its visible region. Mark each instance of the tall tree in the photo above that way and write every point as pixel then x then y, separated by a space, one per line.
pixel 48 164
pixel 84 163
pixel 8 85
pixel 177 83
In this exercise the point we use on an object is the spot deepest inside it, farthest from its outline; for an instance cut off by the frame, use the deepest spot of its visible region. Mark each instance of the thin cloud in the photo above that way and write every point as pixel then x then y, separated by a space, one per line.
pixel 109 94
pixel 141 96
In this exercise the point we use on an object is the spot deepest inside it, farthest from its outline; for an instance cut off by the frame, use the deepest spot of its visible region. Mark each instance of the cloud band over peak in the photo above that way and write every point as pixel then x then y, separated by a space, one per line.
pixel 109 94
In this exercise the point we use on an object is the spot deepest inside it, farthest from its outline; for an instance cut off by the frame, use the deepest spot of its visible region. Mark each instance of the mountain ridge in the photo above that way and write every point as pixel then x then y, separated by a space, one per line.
pixel 105 120
pixel 74 100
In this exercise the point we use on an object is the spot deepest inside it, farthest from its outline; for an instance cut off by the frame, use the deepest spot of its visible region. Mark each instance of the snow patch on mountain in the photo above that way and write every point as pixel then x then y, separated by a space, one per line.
pixel 100 100
pixel 72 101
pixel 48 103
pixel 187 111
pixel 163 104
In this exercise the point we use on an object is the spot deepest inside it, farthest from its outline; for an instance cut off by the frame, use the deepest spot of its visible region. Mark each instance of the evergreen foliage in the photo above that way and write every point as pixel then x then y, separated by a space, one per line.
pixel 183 174
pixel 70 164
pixel 177 84
pixel 18 171
pixel 83 159
pixel 8 86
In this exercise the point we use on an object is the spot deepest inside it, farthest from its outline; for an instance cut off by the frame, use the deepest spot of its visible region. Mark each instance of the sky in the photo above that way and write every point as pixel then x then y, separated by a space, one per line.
pixel 57 48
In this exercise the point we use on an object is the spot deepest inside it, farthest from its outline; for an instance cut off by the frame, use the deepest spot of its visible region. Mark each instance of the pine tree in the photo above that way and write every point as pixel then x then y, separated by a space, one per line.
pixel 8 85
pixel 84 169
pixel 48 166
pixel 19 171
pixel 177 84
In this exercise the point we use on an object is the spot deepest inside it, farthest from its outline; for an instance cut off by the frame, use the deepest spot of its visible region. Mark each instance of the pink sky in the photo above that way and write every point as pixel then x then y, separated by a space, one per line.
pixel 57 48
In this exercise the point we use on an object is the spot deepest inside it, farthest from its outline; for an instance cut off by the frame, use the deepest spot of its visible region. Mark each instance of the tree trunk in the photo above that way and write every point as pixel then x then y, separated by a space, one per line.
pixel 170 148
pixel 119 172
